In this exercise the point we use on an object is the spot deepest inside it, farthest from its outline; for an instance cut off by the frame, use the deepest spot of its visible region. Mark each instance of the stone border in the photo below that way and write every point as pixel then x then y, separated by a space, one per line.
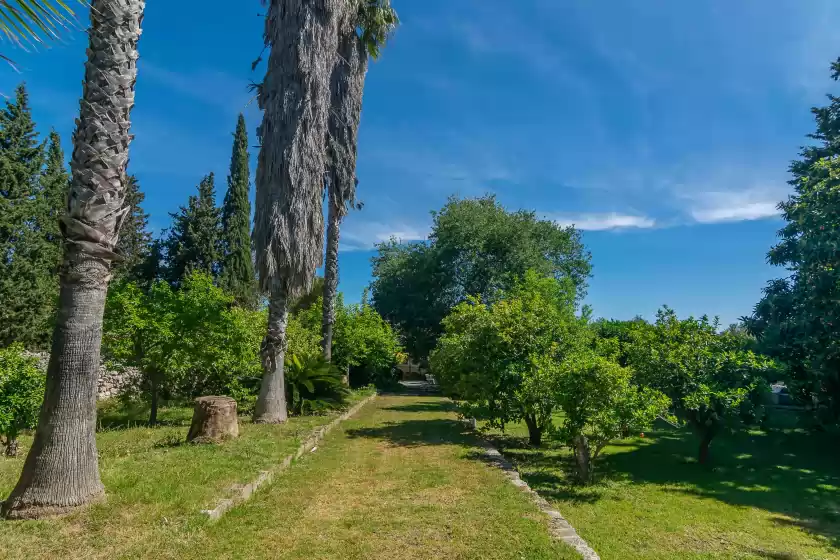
pixel 243 492
pixel 559 528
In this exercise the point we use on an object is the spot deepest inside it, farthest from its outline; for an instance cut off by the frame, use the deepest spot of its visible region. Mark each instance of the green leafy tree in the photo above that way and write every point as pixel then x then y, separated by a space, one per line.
pixel 707 376
pixel 237 275
pixel 21 394
pixel 27 273
pixel 476 247
pixel 139 332
pixel 798 319
pixel 135 238
pixel 601 404
pixel 501 358
pixel 193 242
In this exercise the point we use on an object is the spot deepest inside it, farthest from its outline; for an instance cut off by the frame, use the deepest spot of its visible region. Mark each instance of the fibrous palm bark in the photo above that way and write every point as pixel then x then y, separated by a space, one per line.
pixel 346 89
pixel 61 471
pixel 288 221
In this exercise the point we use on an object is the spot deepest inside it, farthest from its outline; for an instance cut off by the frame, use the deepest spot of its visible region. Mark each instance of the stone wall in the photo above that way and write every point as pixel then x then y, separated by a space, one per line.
pixel 111 383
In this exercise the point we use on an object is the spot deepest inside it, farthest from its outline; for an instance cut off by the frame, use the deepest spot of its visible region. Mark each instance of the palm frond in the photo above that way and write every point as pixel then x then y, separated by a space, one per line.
pixel 377 21
pixel 34 21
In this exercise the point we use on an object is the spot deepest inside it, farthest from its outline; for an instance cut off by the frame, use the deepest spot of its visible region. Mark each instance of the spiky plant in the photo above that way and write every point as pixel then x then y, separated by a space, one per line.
pixel 61 471
pixel 364 31
pixel 33 21
pixel 288 221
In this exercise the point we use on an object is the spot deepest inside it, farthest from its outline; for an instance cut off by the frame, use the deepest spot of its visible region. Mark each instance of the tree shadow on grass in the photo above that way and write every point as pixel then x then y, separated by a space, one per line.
pixel 413 433
pixel 436 406
pixel 791 473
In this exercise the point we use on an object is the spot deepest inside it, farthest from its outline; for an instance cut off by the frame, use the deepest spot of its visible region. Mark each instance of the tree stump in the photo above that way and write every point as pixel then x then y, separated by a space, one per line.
pixel 214 420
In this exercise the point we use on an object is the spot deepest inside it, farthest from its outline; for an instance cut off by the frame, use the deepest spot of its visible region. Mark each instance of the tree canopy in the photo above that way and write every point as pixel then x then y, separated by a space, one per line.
pixel 476 248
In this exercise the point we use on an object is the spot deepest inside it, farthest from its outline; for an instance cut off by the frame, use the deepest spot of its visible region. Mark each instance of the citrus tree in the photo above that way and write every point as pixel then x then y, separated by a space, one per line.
pixel 21 394
pixel 708 377
pixel 501 358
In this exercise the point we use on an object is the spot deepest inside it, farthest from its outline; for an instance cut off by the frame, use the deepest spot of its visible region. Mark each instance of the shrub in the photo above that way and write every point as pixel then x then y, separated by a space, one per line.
pixel 21 394
pixel 313 385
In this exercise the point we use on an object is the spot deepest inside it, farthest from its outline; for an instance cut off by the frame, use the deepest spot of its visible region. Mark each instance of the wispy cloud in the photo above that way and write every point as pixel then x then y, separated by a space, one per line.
pixel 363 236
pixel 208 86
pixel 603 221
pixel 752 204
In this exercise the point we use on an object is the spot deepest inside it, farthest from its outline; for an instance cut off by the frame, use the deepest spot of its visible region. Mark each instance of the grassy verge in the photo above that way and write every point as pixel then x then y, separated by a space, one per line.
pixel 399 481
pixel 767 494
pixel 156 485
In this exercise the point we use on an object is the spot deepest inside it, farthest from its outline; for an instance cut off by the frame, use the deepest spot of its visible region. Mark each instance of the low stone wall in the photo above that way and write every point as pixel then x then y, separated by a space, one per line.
pixel 111 383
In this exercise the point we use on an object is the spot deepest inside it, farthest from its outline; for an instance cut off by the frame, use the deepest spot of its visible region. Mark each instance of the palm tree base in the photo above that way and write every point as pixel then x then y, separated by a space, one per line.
pixel 17 509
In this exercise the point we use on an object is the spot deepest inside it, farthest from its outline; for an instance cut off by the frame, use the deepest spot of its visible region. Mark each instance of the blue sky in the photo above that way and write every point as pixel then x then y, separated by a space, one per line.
pixel 663 129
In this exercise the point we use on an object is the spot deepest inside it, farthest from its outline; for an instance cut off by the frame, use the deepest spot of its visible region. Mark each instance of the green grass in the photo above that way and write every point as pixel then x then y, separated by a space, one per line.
pixel 156 485
pixel 400 480
pixel 766 494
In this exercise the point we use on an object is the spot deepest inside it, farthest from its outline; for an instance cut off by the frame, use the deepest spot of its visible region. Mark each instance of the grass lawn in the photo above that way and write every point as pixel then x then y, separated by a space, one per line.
pixel 766 494
pixel 155 485
pixel 399 481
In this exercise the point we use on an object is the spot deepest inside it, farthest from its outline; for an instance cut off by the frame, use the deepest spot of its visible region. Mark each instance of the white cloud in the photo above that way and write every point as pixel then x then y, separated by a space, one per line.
pixel 604 221
pixel 737 206
pixel 363 236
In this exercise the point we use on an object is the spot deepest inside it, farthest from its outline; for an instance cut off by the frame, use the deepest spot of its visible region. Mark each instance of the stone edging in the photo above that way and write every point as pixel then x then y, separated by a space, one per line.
pixel 558 527
pixel 242 492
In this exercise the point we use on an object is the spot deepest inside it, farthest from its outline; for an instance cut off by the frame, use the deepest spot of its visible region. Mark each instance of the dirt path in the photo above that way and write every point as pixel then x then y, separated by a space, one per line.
pixel 401 480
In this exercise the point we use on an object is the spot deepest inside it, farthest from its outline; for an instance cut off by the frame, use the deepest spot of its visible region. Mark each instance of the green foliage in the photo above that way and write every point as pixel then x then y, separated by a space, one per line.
pixel 187 342
pixel 21 394
pixel 502 358
pixel 363 342
pixel 30 203
pixel 798 319
pixel 32 21
pixel 377 20
pixel 601 404
pixel 237 275
pixel 194 241
pixel 313 385
pixel 707 376
pixel 135 240
pixel 476 248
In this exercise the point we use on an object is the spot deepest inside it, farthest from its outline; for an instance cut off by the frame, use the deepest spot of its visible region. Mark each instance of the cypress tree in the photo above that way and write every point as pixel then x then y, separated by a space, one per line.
pixel 26 302
pixel 193 242
pixel 135 238
pixel 237 275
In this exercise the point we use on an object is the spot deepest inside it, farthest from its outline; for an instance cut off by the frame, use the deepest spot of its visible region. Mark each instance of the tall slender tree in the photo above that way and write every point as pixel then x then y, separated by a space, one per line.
pixel 23 302
pixel 289 222
pixel 362 33
pixel 135 238
pixel 193 243
pixel 61 471
pixel 237 276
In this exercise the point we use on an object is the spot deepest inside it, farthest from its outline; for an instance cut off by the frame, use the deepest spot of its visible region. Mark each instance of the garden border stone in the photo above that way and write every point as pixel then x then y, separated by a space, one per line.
pixel 559 528
pixel 240 493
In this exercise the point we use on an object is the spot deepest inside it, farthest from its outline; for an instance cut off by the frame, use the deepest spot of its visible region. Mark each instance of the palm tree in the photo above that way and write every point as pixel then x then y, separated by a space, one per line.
pixel 61 471
pixel 361 35
pixel 32 21
pixel 288 222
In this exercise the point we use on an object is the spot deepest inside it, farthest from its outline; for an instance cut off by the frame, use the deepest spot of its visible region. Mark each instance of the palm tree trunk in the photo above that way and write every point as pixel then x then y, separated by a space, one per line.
pixel 346 90
pixel 271 404
pixel 330 280
pixel 61 471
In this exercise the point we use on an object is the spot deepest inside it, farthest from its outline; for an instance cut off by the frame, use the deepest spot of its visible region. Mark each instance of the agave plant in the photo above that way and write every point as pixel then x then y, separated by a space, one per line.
pixel 313 385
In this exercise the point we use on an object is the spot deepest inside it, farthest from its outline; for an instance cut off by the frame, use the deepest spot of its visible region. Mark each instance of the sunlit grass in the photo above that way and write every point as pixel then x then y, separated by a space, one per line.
pixel 766 494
